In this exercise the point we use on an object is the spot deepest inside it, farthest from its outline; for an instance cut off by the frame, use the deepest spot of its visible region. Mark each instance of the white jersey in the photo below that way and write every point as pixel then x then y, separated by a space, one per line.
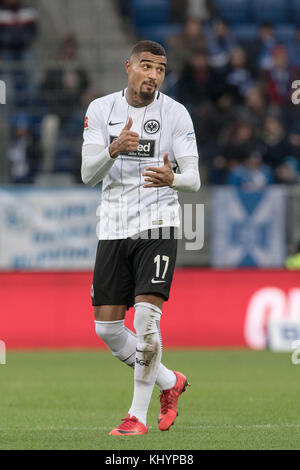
pixel 127 208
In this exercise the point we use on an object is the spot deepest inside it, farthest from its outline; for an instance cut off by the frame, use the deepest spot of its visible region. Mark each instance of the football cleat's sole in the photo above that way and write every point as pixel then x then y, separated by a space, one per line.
pixel 124 433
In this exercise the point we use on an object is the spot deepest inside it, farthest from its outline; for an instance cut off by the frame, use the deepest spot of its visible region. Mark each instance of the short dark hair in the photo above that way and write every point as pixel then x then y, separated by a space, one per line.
pixel 148 46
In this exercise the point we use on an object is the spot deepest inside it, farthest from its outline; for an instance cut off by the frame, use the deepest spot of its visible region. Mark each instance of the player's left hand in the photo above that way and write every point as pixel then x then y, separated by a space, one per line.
pixel 161 176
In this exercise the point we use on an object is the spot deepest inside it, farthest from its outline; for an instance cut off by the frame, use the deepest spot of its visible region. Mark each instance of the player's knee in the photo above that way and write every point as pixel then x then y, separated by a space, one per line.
pixel 109 332
pixel 146 319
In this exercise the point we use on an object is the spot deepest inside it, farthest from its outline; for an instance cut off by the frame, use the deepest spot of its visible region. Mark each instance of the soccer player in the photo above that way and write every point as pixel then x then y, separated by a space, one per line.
pixel 134 139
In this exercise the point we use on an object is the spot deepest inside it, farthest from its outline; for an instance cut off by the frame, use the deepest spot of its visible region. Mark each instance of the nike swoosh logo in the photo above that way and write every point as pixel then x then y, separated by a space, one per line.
pixel 114 123
pixel 156 282
pixel 143 351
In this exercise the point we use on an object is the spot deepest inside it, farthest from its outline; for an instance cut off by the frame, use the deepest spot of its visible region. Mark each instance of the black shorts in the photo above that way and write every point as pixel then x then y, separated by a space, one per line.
pixel 129 267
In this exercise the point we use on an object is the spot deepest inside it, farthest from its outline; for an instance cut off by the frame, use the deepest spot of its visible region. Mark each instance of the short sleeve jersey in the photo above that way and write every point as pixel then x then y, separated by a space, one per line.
pixel 127 208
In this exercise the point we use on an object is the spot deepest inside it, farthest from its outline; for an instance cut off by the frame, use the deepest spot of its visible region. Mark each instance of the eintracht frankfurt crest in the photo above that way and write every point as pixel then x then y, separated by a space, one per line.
pixel 152 126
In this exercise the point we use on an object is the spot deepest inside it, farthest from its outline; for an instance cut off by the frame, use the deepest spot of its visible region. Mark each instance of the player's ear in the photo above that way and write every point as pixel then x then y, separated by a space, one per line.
pixel 127 65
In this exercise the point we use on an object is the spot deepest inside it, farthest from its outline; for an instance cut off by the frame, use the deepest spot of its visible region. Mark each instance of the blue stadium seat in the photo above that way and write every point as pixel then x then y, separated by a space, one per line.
pixel 233 11
pixel 273 11
pixel 149 12
pixel 285 33
pixel 295 11
pixel 245 32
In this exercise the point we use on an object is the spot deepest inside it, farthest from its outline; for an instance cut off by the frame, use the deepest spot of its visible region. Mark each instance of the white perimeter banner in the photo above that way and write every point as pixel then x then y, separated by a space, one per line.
pixel 48 228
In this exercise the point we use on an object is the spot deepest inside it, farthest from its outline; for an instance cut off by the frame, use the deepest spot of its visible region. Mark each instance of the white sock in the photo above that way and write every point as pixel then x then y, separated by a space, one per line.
pixel 147 358
pixel 141 400
pixel 122 343
pixel 120 340
pixel 165 378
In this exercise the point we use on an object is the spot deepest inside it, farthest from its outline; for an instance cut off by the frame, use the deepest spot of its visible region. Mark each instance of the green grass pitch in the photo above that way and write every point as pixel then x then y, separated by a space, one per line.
pixel 239 399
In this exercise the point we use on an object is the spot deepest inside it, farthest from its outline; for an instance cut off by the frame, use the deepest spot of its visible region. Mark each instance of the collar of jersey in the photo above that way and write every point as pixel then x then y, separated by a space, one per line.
pixel 123 92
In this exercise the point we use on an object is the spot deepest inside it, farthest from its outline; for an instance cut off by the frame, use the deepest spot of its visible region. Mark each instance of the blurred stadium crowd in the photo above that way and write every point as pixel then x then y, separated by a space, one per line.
pixel 231 62
pixel 46 115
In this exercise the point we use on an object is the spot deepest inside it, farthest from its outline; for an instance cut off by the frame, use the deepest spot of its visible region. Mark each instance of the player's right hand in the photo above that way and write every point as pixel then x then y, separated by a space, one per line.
pixel 127 141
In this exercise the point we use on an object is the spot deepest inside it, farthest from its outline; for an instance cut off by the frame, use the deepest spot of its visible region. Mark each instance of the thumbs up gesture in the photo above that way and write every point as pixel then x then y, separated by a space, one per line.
pixel 159 176
pixel 127 127
pixel 127 141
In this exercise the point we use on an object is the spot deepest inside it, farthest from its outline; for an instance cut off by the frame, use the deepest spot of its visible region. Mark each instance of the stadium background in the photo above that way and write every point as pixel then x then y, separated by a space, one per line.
pixel 232 63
